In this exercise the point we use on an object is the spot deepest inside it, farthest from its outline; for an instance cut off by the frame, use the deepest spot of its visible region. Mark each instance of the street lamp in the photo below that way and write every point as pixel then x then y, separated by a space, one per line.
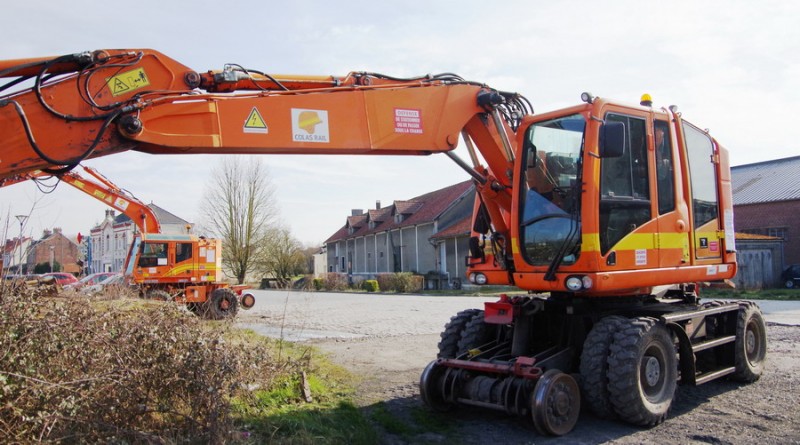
pixel 21 219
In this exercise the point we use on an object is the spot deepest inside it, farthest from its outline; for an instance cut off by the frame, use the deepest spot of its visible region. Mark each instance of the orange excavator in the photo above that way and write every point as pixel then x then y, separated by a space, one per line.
pixel 610 214
pixel 180 267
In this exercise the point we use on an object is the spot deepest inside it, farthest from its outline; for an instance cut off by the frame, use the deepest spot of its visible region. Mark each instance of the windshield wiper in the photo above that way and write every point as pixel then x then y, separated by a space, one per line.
pixel 574 230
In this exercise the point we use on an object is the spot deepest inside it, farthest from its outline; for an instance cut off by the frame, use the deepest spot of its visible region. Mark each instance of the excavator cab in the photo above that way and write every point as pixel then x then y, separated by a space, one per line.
pixel 604 203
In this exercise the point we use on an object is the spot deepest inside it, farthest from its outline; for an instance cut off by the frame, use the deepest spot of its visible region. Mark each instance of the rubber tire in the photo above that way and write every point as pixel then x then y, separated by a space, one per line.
pixel 213 307
pixel 594 366
pixel 476 333
pixel 751 333
pixel 448 345
pixel 636 340
pixel 789 284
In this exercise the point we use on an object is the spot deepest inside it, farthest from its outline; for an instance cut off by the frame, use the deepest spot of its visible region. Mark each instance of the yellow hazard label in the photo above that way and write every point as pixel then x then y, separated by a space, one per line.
pixel 126 82
pixel 255 123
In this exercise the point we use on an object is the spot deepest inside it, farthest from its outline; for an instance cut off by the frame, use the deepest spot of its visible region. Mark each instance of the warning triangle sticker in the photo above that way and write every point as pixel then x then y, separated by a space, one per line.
pixel 119 87
pixel 255 123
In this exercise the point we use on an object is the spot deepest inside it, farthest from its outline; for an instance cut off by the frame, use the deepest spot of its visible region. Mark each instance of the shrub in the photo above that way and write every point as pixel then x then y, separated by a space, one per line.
pixel 335 281
pixel 386 282
pixel 400 282
pixel 150 373
pixel 370 285
pixel 318 283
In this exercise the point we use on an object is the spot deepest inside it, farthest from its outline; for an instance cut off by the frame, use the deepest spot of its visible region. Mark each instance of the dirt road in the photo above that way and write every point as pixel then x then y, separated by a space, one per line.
pixel 389 339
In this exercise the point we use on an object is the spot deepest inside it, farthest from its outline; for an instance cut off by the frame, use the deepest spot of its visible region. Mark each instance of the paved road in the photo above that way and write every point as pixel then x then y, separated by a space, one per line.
pixel 783 312
pixel 299 316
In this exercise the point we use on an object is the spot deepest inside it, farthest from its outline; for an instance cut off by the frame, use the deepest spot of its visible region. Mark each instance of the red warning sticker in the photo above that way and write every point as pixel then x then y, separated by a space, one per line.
pixel 407 120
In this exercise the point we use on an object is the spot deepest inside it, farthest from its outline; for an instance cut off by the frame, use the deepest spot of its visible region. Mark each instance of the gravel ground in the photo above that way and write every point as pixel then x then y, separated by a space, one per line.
pixel 389 339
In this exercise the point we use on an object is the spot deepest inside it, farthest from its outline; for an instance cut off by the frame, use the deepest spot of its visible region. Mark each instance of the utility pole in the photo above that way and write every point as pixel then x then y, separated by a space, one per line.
pixel 21 219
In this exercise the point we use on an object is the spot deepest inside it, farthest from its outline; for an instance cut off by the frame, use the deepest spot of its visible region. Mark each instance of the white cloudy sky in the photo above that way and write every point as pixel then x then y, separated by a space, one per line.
pixel 732 67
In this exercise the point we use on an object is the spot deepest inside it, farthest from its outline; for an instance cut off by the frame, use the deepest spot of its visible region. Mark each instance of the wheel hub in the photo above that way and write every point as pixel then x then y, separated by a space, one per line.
pixel 750 342
pixel 652 371
pixel 555 403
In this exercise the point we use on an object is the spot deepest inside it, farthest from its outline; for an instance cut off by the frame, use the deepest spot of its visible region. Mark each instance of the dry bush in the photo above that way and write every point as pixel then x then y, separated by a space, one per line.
pixel 335 281
pixel 400 282
pixel 74 370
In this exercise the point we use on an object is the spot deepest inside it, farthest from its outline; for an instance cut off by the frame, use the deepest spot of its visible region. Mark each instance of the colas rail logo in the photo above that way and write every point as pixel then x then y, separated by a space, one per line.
pixel 310 125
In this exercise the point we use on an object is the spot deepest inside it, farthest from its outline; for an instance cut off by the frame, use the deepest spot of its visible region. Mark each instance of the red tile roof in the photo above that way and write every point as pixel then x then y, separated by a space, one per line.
pixel 419 210
pixel 462 227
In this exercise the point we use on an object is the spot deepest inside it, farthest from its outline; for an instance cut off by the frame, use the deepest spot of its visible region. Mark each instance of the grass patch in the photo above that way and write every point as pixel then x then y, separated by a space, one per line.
pixel 744 294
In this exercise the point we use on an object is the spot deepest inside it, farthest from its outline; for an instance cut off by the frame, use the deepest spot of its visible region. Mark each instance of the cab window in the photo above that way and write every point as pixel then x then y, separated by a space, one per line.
pixel 183 252
pixel 153 254
pixel 664 168
pixel 704 180
pixel 624 185
pixel 549 223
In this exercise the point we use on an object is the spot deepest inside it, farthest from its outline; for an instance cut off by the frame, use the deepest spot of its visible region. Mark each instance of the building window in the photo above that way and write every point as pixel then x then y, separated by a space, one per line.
pixel 777 232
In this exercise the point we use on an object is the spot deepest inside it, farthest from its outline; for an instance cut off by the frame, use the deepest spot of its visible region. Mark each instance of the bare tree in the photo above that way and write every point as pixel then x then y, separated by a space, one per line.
pixel 239 208
pixel 283 256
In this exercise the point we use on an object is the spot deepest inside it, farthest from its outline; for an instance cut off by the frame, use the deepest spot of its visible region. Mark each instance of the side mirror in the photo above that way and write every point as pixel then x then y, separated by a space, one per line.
pixel 612 140
pixel 530 149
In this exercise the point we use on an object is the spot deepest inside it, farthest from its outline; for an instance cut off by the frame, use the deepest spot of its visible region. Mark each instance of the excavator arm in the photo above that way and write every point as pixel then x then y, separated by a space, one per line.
pixel 101 188
pixel 88 105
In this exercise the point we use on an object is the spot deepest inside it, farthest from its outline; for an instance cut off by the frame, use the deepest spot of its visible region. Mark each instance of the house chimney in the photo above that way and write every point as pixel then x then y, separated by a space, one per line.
pixel 46 233
pixel 356 212
pixel 378 205
pixel 109 214
pixel 57 230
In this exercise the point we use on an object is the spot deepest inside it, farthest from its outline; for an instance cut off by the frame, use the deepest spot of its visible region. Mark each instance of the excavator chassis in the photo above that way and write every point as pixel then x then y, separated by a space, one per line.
pixel 539 357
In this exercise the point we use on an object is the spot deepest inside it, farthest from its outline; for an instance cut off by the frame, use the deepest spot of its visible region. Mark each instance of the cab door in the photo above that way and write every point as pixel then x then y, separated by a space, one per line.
pixel 702 158
pixel 627 229
pixel 673 237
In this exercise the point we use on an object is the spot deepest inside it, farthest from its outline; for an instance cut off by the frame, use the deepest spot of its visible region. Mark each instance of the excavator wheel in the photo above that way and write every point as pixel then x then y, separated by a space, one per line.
pixel 476 333
pixel 642 371
pixel 594 366
pixel 555 403
pixel 450 337
pixel 221 304
pixel 751 343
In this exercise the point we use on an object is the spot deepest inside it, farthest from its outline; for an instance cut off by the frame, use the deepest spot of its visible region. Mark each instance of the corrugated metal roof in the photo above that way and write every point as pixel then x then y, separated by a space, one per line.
pixel 769 181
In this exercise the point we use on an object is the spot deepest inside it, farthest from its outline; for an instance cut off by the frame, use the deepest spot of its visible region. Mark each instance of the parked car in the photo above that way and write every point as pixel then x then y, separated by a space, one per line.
pixel 88 280
pixel 116 279
pixel 791 276
pixel 62 278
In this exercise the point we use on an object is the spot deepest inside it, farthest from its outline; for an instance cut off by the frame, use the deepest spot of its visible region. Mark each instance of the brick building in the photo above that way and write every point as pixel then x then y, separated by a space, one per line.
pixel 766 201
pixel 54 246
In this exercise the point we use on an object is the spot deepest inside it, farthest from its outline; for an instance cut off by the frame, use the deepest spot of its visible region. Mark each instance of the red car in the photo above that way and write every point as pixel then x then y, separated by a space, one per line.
pixel 62 278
